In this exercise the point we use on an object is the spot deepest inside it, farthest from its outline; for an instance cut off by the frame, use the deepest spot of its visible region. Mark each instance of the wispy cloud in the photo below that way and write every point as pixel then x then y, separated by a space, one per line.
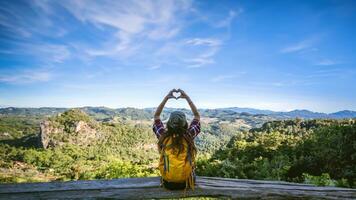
pixel 310 52
pixel 326 62
pixel 13 28
pixel 52 52
pixel 297 47
pixel 199 62
pixel 211 42
pixel 154 67
pixel 27 19
pixel 132 21
pixel 202 51
pixel 192 52
pixel 223 20
pixel 326 73
pixel 228 20
pixel 25 77
pixel 314 77
pixel 44 52
pixel 155 24
pixel 220 78
pixel 132 29
pixel 296 81
pixel 308 44
pixel 24 25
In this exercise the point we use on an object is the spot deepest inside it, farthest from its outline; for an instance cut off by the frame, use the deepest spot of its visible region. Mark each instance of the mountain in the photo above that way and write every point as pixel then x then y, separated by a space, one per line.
pixel 343 114
pixel 129 113
pixel 249 110
pixel 305 114
pixel 31 111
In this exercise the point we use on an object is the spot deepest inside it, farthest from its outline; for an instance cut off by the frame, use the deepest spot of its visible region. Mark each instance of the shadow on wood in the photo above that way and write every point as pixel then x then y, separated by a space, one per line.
pixel 149 188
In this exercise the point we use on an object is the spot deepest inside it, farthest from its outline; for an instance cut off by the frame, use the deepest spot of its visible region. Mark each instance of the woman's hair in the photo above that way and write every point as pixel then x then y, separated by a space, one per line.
pixel 177 126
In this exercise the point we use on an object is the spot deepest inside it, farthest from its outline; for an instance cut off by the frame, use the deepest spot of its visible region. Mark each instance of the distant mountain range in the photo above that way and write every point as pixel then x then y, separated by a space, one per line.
pixel 146 113
pixel 305 114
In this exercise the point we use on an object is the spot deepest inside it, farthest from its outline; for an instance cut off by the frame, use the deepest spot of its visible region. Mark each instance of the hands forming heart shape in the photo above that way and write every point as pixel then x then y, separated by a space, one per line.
pixel 177 94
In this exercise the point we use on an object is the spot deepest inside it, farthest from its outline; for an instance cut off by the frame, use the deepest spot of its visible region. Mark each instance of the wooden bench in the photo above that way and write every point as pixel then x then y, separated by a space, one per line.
pixel 149 188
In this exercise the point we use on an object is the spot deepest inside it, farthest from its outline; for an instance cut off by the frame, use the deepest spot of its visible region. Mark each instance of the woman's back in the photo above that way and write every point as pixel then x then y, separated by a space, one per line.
pixel 176 146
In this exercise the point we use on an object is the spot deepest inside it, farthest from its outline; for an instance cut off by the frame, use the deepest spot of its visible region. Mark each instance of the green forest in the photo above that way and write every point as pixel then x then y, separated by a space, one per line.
pixel 122 144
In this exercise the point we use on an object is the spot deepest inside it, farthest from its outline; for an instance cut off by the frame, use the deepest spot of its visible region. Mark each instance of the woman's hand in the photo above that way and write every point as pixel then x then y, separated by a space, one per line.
pixel 194 109
pixel 160 107
pixel 183 95
pixel 170 94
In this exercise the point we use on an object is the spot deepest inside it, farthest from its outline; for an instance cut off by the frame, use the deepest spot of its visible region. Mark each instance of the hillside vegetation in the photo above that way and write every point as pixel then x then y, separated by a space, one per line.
pixel 120 150
pixel 322 152
pixel 97 143
pixel 73 145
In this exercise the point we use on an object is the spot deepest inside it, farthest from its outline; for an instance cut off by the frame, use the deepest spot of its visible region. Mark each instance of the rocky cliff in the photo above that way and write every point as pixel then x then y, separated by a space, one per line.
pixel 134 142
pixel 71 127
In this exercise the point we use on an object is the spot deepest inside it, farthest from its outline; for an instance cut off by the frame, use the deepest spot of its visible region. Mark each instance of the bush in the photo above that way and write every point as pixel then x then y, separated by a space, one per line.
pixel 120 169
pixel 323 180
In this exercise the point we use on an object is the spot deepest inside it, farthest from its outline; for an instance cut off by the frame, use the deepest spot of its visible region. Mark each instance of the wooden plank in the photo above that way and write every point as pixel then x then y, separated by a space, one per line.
pixel 148 188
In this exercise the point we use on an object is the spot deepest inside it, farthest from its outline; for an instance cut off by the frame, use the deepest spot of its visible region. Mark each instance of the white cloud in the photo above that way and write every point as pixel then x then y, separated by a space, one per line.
pixel 222 78
pixel 132 20
pixel 313 77
pixel 47 53
pixel 191 52
pixel 154 67
pixel 147 26
pixel 326 73
pixel 326 62
pixel 199 62
pixel 17 30
pixel 201 51
pixel 134 32
pixel 218 21
pixel 29 20
pixel 305 44
pixel 228 20
pixel 56 53
pixel 26 77
pixel 163 33
pixel 211 42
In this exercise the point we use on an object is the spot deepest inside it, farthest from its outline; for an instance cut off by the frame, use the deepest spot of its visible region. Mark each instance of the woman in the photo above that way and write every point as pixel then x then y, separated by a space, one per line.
pixel 176 144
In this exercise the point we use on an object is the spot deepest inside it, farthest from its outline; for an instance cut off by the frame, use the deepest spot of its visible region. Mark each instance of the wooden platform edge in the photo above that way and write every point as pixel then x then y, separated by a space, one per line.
pixel 149 188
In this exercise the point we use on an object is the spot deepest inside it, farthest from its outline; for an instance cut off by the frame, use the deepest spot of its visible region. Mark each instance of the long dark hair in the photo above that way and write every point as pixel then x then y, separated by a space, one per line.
pixel 177 143
pixel 177 127
pixel 177 136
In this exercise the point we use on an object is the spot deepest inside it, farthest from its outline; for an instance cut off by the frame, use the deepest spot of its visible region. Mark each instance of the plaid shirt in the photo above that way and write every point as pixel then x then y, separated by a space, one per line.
pixel 193 130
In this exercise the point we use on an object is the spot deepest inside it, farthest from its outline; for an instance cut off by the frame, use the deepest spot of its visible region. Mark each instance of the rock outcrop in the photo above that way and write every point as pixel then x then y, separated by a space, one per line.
pixel 71 127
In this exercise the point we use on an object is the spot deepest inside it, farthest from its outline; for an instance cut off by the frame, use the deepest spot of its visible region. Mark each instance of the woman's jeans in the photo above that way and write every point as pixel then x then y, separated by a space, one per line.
pixel 176 186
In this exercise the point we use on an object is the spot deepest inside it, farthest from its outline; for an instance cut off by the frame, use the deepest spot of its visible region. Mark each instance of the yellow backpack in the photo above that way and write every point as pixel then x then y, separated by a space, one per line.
pixel 177 168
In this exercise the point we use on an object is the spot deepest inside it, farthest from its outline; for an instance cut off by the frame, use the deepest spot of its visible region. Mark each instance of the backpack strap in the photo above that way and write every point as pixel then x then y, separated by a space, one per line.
pixel 189 156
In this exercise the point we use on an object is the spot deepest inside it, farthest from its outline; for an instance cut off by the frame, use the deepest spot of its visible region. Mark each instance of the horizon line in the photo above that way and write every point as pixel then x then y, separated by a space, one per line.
pixel 205 108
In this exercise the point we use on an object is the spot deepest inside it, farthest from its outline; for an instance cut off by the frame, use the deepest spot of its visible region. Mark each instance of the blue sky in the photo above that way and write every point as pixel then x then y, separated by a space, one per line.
pixel 278 55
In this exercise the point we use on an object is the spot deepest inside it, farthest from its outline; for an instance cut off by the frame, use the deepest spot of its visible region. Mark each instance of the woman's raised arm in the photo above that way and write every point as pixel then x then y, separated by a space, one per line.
pixel 191 104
